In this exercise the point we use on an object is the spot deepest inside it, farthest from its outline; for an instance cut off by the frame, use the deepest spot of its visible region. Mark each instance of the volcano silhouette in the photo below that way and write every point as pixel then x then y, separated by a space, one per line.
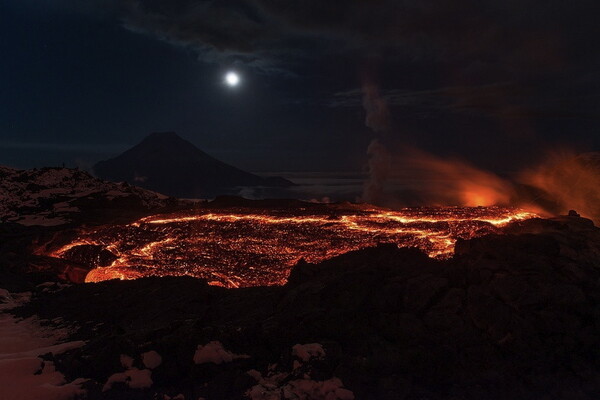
pixel 166 163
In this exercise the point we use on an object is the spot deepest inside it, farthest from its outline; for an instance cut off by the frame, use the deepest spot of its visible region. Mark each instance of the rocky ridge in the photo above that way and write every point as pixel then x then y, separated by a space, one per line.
pixel 59 196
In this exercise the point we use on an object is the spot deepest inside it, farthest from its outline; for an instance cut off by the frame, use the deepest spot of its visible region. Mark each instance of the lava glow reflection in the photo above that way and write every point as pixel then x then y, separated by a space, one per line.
pixel 249 247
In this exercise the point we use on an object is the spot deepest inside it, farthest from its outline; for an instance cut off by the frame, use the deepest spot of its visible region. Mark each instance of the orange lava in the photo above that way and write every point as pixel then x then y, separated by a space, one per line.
pixel 252 247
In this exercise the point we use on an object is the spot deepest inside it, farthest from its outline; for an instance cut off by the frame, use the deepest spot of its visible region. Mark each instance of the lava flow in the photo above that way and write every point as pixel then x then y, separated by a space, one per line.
pixel 239 247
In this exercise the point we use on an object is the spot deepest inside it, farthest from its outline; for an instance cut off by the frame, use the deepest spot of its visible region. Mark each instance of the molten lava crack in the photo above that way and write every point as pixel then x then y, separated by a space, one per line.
pixel 252 247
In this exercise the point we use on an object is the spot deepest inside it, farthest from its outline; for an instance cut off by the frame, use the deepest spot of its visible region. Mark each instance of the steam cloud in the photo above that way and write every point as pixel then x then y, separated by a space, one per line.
pixel 379 159
pixel 456 182
pixel 568 181
pixel 450 182
pixel 378 114
pixel 562 182
pixel 378 168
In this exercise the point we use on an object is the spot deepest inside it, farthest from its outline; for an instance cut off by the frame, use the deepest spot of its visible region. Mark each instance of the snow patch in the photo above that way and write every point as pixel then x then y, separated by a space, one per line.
pixel 23 375
pixel 5 296
pixel 54 349
pixel 277 387
pixel 305 352
pixel 298 384
pixel 178 397
pixel 65 207
pixel 213 352
pixel 133 378
pixel 43 196
pixel 151 359
pixel 38 220
pixel 30 378
pixel 126 361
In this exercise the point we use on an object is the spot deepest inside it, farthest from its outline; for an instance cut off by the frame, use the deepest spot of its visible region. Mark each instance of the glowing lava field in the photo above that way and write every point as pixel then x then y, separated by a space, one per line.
pixel 237 247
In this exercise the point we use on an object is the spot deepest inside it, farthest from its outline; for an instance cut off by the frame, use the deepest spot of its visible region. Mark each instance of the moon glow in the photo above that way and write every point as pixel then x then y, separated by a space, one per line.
pixel 232 79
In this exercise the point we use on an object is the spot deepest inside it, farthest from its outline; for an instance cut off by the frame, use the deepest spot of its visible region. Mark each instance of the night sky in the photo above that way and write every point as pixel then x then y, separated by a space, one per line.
pixel 496 83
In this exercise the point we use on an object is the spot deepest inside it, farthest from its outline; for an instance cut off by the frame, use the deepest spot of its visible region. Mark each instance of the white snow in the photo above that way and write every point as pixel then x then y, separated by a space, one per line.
pixel 23 375
pixel 213 352
pixel 151 359
pixel 32 379
pixel 277 387
pixel 116 193
pixel 5 296
pixel 307 351
pixel 292 385
pixel 331 389
pixel 126 361
pixel 65 207
pixel 133 377
pixel 40 220
pixel 178 397
pixel 22 342
pixel 44 196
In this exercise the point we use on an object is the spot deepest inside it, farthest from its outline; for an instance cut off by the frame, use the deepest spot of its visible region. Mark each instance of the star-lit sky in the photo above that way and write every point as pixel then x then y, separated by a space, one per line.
pixel 495 83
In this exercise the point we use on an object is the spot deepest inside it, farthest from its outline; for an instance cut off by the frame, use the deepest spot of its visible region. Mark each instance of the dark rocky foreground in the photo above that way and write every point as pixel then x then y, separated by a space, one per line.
pixel 513 316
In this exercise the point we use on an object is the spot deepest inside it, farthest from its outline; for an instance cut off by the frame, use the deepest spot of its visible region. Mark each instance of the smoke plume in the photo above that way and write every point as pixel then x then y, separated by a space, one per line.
pixel 379 159
pixel 455 182
pixel 378 114
pixel 567 181
pixel 379 168
pixel 449 182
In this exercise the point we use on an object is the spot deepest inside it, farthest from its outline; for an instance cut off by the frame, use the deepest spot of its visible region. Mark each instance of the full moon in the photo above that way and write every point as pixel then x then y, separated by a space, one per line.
pixel 232 79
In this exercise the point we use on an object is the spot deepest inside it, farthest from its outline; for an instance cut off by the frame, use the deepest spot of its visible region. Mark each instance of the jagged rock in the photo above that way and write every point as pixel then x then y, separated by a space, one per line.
pixel 493 247
pixel 420 291
pixel 516 291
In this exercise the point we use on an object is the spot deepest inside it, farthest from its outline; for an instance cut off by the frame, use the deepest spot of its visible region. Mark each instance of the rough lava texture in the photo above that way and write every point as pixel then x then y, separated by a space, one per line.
pixel 165 162
pixel 512 316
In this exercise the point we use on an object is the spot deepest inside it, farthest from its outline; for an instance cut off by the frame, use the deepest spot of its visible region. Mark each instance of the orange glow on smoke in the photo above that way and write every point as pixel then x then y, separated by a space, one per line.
pixel 251 247
pixel 568 181
pixel 456 182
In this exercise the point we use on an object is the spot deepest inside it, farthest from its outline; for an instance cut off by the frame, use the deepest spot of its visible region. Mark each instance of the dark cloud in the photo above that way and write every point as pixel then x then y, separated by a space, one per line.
pixel 520 35
pixel 222 32
pixel 467 42
pixel 501 100
pixel 198 24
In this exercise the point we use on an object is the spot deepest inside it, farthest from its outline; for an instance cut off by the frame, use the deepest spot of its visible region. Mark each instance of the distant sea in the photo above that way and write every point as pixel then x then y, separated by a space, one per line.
pixel 333 187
